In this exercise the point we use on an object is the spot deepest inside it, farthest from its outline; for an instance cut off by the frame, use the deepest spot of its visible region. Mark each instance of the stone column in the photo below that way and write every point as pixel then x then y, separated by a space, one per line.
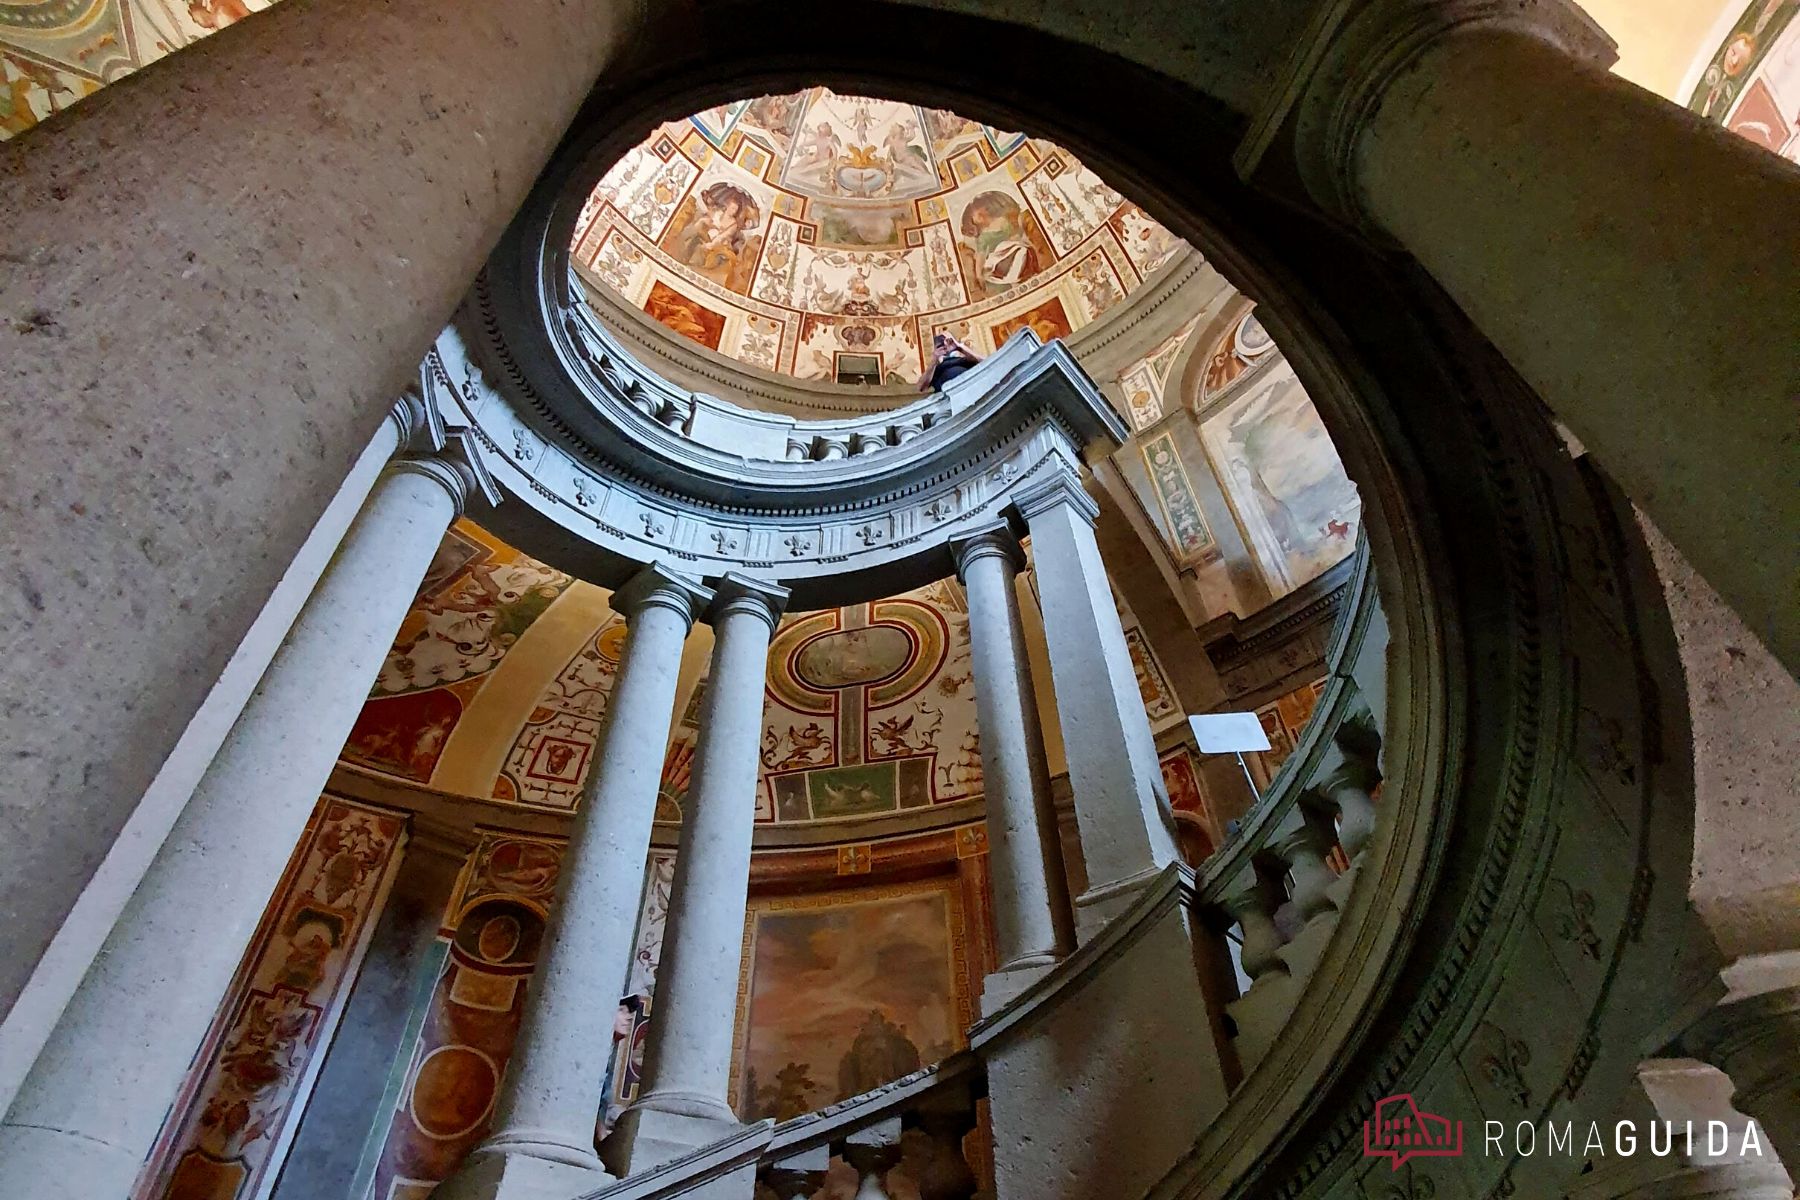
pixel 285 215
pixel 1032 925
pixel 1756 1041
pixel 93 1101
pixel 684 1102
pixel 1633 262
pixel 543 1134
pixel 1121 806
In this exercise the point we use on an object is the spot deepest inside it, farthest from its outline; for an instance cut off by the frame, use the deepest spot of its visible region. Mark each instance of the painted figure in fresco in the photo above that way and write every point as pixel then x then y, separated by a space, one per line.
pixel 711 235
pixel 880 1054
pixel 819 146
pixel 216 14
pixel 1002 250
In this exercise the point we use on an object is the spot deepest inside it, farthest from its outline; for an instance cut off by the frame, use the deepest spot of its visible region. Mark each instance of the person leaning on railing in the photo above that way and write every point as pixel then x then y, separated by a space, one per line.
pixel 949 358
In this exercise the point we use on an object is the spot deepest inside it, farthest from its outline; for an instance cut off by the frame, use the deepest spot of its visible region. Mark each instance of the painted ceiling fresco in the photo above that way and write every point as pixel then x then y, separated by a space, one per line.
pixel 1751 85
pixel 54 52
pixel 817 234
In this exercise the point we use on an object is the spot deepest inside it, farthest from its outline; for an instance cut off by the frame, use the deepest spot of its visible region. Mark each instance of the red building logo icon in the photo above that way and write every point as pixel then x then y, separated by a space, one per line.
pixel 1400 1130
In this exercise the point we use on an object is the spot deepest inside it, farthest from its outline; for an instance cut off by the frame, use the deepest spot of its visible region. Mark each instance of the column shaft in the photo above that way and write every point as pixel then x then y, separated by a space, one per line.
pixel 544 1126
pixel 685 1099
pixel 284 215
pixel 1120 802
pixel 1635 264
pixel 1031 920
pixel 94 1099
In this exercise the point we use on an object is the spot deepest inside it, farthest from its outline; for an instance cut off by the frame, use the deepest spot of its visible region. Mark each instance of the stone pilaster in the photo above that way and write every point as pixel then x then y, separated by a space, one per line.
pixel 543 1135
pixel 1032 923
pixel 1121 806
pixel 684 1101
pixel 90 1107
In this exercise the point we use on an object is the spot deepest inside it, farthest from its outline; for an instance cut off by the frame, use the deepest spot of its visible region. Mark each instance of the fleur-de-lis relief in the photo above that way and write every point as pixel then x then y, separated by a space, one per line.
pixel 1005 473
pixel 941 509
pixel 585 495
pixel 870 534
pixel 1575 923
pixel 796 544
pixel 724 541
pixel 1505 1062
pixel 653 528
pixel 523 446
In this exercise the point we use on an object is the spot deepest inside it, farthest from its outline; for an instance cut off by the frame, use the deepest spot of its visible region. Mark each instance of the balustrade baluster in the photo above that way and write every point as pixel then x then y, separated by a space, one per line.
pixel 1303 849
pixel 1252 901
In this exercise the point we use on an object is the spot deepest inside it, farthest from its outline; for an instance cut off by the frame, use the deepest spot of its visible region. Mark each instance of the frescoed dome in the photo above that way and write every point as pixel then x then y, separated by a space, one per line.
pixel 828 237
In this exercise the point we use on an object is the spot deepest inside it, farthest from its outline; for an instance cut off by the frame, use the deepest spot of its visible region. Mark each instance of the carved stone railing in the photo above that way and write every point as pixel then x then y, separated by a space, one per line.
pixel 918 1122
pixel 1276 888
pixel 625 391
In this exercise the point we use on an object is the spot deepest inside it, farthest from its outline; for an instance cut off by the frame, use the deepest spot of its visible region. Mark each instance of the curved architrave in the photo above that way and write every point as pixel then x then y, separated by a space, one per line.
pixel 864 527
pixel 1500 717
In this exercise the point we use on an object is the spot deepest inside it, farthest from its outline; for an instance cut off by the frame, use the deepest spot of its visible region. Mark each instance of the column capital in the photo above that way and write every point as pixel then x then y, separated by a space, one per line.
pixel 995 539
pixel 1061 487
pixel 454 468
pixel 1338 75
pixel 738 593
pixel 418 426
pixel 1739 1036
pixel 656 586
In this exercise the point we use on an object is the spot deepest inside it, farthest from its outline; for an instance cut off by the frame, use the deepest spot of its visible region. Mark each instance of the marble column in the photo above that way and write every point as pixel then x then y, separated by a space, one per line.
pixel 684 1101
pixel 1635 263
pixel 542 1142
pixel 92 1103
pixel 1032 926
pixel 284 216
pixel 1121 805
pixel 1756 1041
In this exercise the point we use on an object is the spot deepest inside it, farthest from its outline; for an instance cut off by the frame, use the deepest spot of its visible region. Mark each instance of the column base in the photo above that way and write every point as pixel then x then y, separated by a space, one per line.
pixel 512 1173
pixel 1002 987
pixel 660 1129
pixel 1097 906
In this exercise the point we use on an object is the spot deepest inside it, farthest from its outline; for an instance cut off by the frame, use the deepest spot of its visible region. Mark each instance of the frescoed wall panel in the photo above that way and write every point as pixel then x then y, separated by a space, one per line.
pixel 1287 486
pixel 241 1103
pixel 1751 86
pixel 847 991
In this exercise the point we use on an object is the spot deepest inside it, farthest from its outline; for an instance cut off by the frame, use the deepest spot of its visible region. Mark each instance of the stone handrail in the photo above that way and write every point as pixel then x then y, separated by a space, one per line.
pixel 791 1158
pixel 1277 885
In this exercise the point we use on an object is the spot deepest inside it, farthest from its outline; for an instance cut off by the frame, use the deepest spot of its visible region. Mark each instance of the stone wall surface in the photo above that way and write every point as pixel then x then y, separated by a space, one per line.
pixel 215 275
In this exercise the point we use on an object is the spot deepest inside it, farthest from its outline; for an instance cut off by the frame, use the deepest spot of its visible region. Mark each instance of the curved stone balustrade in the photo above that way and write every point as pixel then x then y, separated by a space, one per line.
pixel 1281 881
pixel 621 386
pixel 922 1117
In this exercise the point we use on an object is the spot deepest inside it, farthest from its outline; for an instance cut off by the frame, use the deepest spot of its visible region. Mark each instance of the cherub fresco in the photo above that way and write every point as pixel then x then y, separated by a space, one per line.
pixel 216 14
pixel 711 235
